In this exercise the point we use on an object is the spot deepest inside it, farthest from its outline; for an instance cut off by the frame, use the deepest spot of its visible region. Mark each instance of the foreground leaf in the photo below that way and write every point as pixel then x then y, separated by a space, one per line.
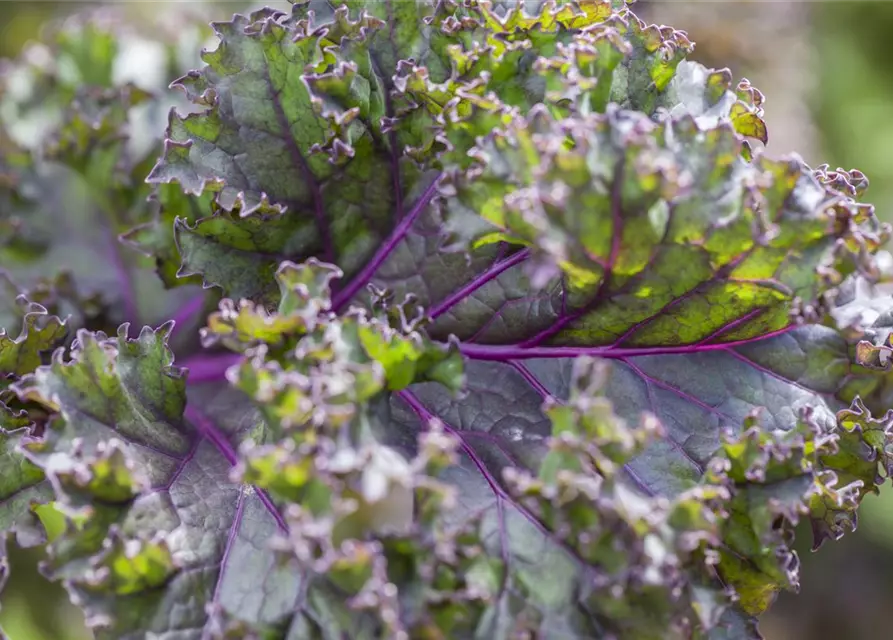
pixel 433 224
pixel 154 523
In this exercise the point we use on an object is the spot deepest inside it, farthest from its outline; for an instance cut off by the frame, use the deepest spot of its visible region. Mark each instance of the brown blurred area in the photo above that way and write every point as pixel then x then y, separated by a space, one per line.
pixel 829 86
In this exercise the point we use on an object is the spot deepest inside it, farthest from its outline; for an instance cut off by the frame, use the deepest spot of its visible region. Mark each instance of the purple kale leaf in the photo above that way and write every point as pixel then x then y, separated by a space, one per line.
pixel 531 339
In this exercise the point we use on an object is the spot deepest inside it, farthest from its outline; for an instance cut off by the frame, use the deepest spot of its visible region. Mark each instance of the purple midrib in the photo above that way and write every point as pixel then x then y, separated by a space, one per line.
pixel 506 353
pixel 209 431
pixel 303 169
pixel 346 294
pixel 212 367
pixel 501 495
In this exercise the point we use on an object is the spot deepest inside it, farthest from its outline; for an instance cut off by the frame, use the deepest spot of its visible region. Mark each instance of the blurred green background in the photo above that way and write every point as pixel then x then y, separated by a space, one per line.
pixel 824 69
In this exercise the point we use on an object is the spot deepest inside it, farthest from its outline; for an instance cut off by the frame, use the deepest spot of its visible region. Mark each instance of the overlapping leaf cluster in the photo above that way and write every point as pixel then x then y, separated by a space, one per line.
pixel 75 156
pixel 531 338
pixel 73 163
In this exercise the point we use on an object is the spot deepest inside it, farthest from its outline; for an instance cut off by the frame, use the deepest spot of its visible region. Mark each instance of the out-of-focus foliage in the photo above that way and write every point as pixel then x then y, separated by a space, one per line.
pixel 854 94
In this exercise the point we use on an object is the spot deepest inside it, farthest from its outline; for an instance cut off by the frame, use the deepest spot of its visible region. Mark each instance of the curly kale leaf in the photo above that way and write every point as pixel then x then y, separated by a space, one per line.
pixel 531 340
pixel 30 331
pixel 151 514
pixel 353 101
pixel 659 242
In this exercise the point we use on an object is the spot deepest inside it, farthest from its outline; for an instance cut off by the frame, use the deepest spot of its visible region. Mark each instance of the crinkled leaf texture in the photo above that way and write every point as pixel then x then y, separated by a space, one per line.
pixel 148 489
pixel 76 144
pixel 529 341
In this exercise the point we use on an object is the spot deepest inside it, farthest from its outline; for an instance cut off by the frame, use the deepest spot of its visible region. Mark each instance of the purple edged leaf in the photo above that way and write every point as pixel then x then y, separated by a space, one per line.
pixel 534 223
pixel 154 522
pixel 529 340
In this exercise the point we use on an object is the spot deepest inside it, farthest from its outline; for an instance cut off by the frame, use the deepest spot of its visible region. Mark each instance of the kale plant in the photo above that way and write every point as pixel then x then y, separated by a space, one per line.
pixel 437 319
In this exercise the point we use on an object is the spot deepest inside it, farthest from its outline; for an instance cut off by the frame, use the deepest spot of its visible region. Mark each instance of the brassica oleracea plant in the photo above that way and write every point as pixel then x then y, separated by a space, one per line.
pixel 426 320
